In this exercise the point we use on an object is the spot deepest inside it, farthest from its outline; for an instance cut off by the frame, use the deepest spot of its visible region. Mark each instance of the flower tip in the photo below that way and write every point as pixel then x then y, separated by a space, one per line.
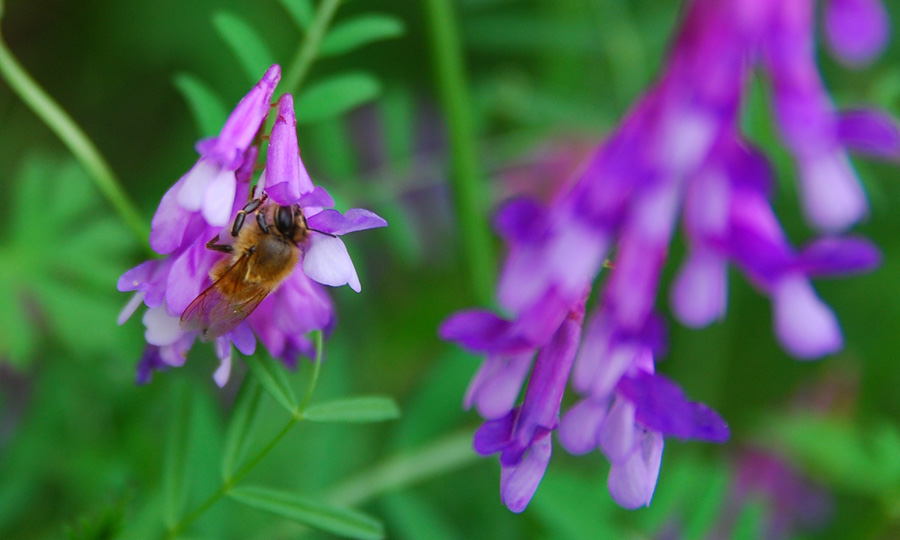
pixel 286 110
pixel 806 327
pixel 857 30
pixel 272 76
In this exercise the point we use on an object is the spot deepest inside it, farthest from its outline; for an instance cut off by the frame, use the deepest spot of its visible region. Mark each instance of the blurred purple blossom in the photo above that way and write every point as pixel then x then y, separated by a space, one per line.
pixel 202 205
pixel 678 153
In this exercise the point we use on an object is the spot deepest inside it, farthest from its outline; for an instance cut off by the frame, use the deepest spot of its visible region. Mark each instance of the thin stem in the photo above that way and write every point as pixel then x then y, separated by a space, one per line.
pixel 471 194
pixel 74 138
pixel 309 51
pixel 440 457
pixel 228 484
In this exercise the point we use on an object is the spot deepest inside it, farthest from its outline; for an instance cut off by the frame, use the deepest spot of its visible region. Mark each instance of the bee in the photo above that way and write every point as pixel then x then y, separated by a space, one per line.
pixel 263 252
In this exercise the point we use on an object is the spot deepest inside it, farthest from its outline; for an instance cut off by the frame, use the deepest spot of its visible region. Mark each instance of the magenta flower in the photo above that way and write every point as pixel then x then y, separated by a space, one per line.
pixel 191 215
pixel 678 153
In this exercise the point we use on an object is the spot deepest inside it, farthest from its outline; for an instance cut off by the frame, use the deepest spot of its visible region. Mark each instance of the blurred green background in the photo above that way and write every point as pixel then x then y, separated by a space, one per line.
pixel 81 446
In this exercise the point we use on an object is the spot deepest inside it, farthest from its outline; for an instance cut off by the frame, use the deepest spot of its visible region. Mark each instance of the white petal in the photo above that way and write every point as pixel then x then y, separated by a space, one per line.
pixel 162 328
pixel 223 351
pixel 219 198
pixel 328 262
pixel 190 196
pixel 804 324
pixel 832 196
pixel 130 307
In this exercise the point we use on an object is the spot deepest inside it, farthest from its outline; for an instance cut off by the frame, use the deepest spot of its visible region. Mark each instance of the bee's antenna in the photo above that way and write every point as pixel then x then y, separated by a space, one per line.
pixel 323 232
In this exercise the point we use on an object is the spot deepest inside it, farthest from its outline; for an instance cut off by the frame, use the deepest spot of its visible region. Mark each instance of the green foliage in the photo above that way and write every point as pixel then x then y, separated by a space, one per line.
pixel 206 106
pixel 86 454
pixel 316 514
pixel 860 459
pixel 61 254
pixel 335 96
pixel 355 33
pixel 270 374
pixel 243 418
pixel 300 10
pixel 360 409
pixel 245 43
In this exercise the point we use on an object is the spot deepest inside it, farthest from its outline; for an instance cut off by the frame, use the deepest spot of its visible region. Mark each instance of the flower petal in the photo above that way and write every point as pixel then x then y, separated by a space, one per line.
pixel 633 482
pixel 806 327
pixel 580 427
pixel 832 256
pixel 832 196
pixel 662 406
pixel 162 328
pixel 497 384
pixel 219 198
pixel 356 219
pixel 871 132
pixel 519 483
pixel 857 30
pixel 317 198
pixel 699 294
pixel 494 435
pixel 328 262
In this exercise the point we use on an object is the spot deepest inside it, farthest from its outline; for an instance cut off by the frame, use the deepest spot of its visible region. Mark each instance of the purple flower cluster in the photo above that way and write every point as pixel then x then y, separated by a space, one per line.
pixel 678 152
pixel 202 205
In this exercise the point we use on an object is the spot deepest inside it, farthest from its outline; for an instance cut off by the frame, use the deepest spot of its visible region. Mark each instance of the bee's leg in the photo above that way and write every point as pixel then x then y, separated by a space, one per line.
pixel 251 206
pixel 261 221
pixel 214 245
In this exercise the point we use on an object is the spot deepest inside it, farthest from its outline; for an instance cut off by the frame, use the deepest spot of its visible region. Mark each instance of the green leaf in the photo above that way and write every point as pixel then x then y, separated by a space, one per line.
pixel 175 476
pixel 300 10
pixel 361 31
pixel 335 96
pixel 355 409
pixel 339 521
pixel 271 375
pixel 246 44
pixel 206 106
pixel 862 460
pixel 243 417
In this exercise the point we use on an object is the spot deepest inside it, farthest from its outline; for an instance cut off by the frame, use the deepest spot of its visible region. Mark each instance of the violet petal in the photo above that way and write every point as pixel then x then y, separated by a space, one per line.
pixel 356 219
pixel 661 405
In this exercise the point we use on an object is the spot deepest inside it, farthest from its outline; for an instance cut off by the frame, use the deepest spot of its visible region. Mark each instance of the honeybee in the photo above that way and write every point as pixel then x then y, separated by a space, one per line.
pixel 263 253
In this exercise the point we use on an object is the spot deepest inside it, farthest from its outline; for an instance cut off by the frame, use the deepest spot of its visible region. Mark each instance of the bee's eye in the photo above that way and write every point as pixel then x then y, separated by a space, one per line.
pixel 284 220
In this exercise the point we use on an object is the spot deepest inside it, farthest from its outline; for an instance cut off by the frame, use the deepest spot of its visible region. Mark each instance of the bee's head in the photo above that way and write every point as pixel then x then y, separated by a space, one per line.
pixel 289 222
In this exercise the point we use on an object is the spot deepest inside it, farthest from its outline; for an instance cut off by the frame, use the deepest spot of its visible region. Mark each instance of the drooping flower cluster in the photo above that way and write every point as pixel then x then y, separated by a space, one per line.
pixel 678 151
pixel 202 204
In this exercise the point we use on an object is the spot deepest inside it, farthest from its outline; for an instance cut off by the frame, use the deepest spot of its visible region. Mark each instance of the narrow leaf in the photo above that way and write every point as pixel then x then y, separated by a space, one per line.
pixel 339 521
pixel 246 44
pixel 243 417
pixel 175 460
pixel 206 106
pixel 355 409
pixel 300 10
pixel 271 375
pixel 361 31
pixel 335 96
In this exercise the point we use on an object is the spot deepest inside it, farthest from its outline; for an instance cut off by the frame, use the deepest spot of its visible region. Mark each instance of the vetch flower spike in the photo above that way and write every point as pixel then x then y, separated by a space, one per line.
pixel 232 271
pixel 678 157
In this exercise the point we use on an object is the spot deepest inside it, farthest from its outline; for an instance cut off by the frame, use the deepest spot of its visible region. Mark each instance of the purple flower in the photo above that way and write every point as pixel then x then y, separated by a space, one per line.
pixel 794 503
pixel 201 206
pixel 677 157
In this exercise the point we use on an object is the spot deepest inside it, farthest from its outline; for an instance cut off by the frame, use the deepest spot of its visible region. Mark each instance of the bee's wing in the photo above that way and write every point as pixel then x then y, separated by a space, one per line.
pixel 225 303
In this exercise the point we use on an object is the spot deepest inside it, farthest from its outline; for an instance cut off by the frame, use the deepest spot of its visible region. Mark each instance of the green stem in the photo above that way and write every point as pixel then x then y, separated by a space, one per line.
pixel 74 138
pixel 226 486
pixel 306 55
pixel 440 457
pixel 471 193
